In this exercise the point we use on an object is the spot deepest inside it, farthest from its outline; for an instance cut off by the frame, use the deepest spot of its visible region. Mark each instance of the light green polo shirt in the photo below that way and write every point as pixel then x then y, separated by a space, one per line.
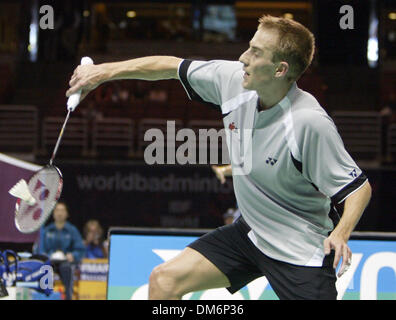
pixel 289 163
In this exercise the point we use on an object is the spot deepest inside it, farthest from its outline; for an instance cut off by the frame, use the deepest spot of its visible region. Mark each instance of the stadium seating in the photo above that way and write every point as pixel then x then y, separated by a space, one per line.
pixel 361 133
pixel 391 141
pixel 19 128
pixel 112 133
pixel 365 135
pixel 74 140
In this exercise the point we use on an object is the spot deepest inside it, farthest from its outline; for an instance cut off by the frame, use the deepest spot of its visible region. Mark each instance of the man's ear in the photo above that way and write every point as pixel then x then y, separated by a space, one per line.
pixel 282 69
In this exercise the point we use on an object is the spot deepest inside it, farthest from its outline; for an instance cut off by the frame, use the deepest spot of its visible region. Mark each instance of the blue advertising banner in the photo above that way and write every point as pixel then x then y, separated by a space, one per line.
pixel 372 275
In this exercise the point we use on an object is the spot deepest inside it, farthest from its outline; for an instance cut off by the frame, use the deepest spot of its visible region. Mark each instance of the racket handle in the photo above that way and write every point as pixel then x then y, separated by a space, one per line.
pixel 74 99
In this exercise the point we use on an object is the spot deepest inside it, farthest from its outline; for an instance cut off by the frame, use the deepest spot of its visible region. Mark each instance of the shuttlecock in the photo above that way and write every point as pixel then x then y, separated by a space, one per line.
pixel 21 190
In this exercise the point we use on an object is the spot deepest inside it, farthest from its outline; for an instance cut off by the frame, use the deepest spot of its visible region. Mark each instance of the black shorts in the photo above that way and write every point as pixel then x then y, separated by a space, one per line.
pixel 230 250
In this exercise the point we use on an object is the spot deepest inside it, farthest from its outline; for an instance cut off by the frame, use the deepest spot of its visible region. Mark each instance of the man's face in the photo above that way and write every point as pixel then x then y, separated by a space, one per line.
pixel 258 66
pixel 60 213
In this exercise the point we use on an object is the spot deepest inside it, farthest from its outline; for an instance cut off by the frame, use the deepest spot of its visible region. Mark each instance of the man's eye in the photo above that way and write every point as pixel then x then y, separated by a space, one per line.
pixel 255 52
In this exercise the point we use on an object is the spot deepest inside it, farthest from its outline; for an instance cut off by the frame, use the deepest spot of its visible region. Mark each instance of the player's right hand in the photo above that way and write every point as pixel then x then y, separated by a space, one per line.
pixel 85 78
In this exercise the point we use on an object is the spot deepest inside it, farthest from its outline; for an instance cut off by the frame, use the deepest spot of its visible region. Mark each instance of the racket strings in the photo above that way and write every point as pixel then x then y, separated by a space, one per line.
pixel 45 186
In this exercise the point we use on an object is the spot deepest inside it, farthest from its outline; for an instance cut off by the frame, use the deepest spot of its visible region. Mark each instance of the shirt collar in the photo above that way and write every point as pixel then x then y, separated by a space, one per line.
pixel 284 104
pixel 286 101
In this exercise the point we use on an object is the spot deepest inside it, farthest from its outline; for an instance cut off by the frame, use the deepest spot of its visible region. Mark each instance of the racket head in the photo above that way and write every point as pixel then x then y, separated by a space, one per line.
pixel 46 188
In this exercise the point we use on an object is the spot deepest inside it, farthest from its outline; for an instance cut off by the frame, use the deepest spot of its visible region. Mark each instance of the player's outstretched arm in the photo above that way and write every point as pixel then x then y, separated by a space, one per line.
pixel 88 77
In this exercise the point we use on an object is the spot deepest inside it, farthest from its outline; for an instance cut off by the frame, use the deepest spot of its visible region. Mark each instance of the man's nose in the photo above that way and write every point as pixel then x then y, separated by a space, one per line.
pixel 243 59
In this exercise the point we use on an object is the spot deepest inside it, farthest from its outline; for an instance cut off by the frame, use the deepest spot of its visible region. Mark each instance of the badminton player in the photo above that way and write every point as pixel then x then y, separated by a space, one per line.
pixel 299 169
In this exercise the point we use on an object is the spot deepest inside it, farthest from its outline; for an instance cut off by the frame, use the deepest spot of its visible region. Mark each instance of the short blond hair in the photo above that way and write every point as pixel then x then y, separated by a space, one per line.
pixel 296 43
pixel 94 223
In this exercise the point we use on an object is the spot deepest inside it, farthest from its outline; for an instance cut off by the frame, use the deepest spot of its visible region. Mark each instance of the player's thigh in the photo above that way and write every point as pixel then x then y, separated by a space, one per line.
pixel 191 271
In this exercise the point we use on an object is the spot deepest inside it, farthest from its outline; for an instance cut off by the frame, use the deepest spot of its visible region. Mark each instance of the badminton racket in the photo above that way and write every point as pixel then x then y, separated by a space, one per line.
pixel 38 196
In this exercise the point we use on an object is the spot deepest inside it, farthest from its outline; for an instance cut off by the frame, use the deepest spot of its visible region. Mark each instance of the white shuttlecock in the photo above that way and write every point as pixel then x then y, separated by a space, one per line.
pixel 21 190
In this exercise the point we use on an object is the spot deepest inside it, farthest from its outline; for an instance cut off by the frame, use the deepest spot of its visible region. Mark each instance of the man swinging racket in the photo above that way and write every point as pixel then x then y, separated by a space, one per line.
pixel 289 168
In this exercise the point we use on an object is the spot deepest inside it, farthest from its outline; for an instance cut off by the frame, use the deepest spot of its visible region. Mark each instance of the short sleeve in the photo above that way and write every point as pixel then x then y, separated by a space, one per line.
pixel 326 163
pixel 213 82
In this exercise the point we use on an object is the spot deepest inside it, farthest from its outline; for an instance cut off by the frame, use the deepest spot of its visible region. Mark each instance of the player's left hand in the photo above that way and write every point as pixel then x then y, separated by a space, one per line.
pixel 341 249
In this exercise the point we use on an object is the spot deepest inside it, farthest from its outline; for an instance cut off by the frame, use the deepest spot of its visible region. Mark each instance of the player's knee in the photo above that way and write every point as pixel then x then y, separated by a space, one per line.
pixel 163 284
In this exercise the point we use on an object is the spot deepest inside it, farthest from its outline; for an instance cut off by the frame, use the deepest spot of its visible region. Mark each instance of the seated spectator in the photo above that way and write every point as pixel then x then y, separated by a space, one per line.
pixel 96 246
pixel 62 242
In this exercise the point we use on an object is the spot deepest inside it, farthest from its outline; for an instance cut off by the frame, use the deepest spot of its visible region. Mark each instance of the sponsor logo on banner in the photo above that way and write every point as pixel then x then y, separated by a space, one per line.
pixel 94 270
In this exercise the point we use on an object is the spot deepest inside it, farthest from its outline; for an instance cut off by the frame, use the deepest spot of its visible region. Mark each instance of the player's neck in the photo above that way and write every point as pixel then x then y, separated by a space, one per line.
pixel 269 97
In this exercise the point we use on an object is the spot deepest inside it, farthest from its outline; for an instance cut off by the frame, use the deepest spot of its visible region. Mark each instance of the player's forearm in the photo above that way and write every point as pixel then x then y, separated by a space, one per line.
pixel 88 77
pixel 146 68
pixel 353 210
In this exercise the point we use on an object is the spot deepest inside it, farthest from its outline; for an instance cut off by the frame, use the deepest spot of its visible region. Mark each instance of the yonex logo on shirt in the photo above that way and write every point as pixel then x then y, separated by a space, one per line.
pixel 271 161
pixel 353 173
